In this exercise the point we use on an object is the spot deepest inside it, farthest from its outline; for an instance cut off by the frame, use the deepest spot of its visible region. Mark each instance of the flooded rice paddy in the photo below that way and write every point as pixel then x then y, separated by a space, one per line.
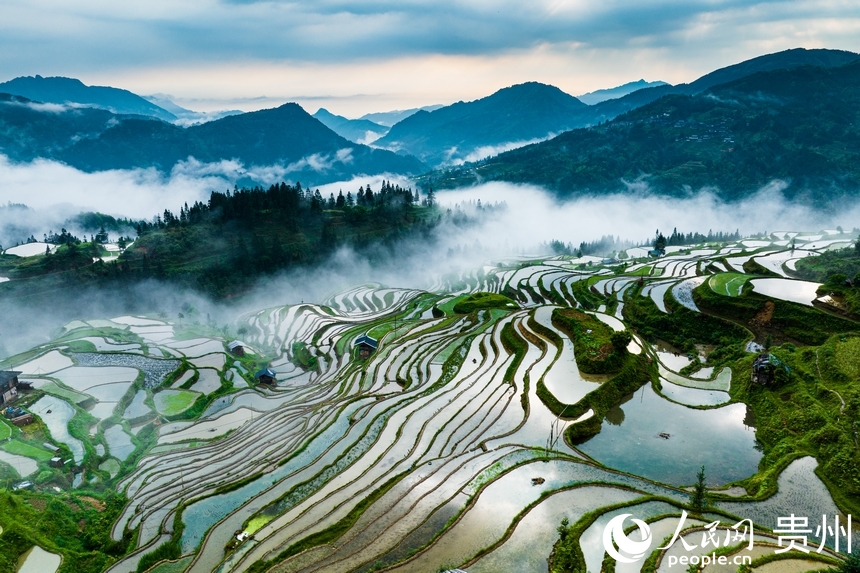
pixel 441 428
pixel 632 441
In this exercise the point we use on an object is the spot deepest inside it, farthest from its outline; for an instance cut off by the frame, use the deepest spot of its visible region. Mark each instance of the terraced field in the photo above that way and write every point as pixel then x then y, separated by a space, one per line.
pixel 462 441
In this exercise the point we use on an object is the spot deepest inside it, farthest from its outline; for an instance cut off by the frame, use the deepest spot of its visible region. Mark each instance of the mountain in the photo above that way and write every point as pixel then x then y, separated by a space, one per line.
pixel 93 140
pixel 286 136
pixel 598 96
pixel 356 130
pixel 185 116
pixel 31 129
pixel 59 90
pixel 513 115
pixel 389 118
pixel 525 113
pixel 786 59
pixel 795 125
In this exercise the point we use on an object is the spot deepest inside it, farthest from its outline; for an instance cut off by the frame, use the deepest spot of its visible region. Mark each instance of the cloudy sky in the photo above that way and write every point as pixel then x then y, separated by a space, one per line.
pixel 375 55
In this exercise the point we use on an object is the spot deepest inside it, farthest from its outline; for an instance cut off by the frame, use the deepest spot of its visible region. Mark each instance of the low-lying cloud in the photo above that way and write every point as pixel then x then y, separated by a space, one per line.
pixel 523 220
pixel 484 151
pixel 56 192
pixel 321 161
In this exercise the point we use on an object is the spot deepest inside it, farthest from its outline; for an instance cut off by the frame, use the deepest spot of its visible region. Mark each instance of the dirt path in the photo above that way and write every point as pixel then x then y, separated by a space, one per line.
pixel 820 377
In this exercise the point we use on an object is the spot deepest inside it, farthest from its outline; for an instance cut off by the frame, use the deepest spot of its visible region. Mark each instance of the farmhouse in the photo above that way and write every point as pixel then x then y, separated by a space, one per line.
pixel 236 348
pixel 366 345
pixel 266 376
pixel 765 368
pixel 8 386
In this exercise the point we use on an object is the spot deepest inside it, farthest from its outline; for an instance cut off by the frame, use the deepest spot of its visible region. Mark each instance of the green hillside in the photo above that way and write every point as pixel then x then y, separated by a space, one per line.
pixel 794 125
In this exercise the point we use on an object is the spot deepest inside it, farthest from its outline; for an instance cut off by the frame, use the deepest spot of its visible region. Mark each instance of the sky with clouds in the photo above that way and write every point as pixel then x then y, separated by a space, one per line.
pixel 375 55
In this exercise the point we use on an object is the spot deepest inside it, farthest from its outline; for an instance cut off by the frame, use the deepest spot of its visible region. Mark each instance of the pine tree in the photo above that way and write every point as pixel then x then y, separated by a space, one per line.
pixel 699 498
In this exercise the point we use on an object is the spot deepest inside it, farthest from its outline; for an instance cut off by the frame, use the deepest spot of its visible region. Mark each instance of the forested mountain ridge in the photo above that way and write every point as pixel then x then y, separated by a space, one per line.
pixel 94 140
pixel 787 59
pixel 531 111
pixel 517 113
pixel 796 125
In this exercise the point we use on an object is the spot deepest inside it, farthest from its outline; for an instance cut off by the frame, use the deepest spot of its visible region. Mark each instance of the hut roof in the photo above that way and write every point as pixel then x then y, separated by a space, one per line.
pixel 365 339
pixel 235 344
pixel 265 372
pixel 7 375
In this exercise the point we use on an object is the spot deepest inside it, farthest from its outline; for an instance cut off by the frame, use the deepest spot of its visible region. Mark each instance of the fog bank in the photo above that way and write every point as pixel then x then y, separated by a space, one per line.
pixel 523 220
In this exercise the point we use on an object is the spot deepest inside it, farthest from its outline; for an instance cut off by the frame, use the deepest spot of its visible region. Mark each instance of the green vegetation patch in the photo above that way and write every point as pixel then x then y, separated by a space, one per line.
pixel 302 356
pixel 447 307
pixel 642 271
pixel 173 402
pixel 804 415
pixel 52 387
pixel 5 430
pixel 783 320
pixel 26 450
pixel 76 527
pixel 839 262
pixel 592 341
pixel 585 296
pixel 684 328
pixel 515 345
pixel 728 284
pixel 847 355
pixel 483 300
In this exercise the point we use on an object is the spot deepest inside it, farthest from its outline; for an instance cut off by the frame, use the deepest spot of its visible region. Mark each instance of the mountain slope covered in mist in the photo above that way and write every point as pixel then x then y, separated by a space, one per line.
pixel 29 130
pixel 93 140
pixel 518 113
pixel 796 125
pixel 71 91
pixel 356 130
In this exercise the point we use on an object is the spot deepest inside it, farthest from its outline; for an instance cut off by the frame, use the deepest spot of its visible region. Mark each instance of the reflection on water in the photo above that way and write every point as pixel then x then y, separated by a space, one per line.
pixel 799 491
pixel 615 415
pixel 693 396
pixel 668 442
pixel 749 418
pixel 532 541
pixel 56 414
pixel 802 292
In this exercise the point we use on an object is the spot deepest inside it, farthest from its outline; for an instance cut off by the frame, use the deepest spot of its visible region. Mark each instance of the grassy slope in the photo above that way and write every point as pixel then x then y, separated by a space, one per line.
pixel 483 300
pixel 591 341
pixel 728 284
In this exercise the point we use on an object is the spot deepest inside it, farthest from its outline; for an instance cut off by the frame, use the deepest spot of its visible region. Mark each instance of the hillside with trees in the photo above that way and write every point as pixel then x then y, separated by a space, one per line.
pixel 224 246
pixel 795 125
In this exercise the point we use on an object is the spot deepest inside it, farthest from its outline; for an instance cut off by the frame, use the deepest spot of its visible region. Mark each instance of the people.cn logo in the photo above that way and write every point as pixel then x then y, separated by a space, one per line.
pixel 629 551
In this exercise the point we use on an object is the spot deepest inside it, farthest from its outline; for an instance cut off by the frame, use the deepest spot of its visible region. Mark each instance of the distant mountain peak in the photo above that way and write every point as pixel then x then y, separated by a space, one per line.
pixel 356 130
pixel 63 90
pixel 466 131
pixel 598 96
